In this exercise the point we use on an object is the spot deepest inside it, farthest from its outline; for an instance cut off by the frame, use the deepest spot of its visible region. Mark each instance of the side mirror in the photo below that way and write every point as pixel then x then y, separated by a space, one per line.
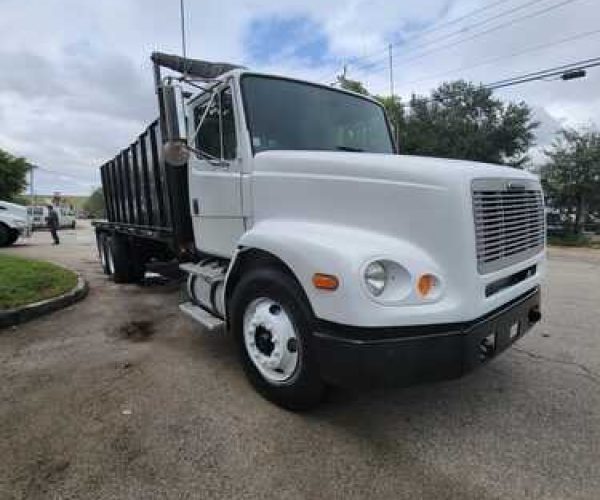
pixel 175 148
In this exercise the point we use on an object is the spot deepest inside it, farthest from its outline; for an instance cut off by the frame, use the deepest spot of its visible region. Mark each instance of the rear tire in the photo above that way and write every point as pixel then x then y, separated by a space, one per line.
pixel 119 256
pixel 271 321
pixel 102 252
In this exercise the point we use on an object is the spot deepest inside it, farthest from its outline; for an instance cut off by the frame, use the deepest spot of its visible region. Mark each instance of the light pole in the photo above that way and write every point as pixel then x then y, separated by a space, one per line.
pixel 31 184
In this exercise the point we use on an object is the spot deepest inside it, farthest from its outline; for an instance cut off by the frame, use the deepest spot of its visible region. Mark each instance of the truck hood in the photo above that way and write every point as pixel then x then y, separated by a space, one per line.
pixel 370 206
pixel 13 211
pixel 434 172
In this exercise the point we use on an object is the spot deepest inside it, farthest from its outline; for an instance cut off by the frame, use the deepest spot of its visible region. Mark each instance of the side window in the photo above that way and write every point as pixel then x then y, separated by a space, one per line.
pixel 228 123
pixel 217 136
pixel 208 139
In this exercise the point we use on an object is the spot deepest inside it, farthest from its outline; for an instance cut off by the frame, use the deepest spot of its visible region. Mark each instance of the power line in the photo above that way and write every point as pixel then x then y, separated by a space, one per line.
pixel 536 75
pixel 540 75
pixel 482 33
pixel 433 29
pixel 536 48
pixel 491 30
pixel 463 30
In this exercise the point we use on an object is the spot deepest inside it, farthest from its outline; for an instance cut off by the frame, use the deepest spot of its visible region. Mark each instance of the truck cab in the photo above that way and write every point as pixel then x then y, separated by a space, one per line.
pixel 331 258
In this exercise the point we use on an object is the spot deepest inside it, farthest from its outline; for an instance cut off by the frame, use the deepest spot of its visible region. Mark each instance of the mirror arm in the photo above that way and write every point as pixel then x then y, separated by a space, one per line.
pixel 213 160
pixel 193 136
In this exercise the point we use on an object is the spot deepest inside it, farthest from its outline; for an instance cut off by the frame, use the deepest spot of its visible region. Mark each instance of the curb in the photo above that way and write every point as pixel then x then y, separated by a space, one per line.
pixel 12 317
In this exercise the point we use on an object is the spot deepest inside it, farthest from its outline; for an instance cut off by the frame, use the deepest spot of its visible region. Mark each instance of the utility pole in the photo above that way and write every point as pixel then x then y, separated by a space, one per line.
pixel 31 188
pixel 391 70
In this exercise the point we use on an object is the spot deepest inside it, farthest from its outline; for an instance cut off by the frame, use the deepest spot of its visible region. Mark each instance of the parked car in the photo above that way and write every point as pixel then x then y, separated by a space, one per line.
pixel 14 222
pixel 555 224
pixel 38 216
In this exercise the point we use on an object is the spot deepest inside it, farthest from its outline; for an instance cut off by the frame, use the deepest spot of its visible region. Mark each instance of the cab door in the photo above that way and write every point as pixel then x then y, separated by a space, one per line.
pixel 215 174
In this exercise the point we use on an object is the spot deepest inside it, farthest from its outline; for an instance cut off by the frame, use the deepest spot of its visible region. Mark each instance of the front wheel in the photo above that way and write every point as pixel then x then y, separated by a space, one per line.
pixel 7 236
pixel 14 236
pixel 271 321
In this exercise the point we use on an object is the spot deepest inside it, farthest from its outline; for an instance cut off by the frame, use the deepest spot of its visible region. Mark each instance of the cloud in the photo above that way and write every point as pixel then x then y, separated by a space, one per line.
pixel 76 82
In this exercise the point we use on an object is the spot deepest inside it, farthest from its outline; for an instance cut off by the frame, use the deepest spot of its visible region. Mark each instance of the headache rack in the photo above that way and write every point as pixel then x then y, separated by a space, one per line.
pixel 509 222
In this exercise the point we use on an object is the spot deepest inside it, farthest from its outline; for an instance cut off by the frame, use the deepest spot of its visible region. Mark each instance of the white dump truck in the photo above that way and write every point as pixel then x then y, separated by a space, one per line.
pixel 331 258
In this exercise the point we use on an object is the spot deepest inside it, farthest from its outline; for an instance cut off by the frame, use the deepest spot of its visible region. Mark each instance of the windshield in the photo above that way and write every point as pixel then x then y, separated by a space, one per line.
pixel 285 114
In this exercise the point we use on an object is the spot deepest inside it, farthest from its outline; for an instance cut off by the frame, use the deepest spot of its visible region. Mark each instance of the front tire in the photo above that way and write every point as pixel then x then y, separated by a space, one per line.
pixel 7 236
pixel 271 321
pixel 14 236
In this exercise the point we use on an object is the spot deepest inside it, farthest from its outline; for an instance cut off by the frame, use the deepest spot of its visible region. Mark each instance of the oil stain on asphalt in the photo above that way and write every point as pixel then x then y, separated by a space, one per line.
pixel 137 331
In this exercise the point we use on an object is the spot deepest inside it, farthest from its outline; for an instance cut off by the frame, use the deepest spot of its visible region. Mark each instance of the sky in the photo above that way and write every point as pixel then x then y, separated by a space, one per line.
pixel 76 80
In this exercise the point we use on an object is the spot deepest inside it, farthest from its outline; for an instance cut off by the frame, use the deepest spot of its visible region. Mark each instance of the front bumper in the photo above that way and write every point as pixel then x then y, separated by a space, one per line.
pixel 409 355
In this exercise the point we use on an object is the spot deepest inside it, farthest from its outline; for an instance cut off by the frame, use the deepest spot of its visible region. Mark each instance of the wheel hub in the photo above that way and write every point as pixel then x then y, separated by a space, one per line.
pixel 264 340
pixel 270 339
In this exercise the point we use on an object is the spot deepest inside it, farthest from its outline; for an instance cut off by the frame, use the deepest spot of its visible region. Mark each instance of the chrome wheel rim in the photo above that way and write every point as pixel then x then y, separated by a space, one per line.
pixel 271 340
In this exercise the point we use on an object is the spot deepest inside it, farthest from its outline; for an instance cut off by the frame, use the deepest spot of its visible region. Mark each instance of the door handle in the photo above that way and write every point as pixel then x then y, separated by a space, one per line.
pixel 195 207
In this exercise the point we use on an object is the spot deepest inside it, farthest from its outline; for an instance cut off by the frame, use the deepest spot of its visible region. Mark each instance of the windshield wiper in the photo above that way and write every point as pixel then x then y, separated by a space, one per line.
pixel 350 149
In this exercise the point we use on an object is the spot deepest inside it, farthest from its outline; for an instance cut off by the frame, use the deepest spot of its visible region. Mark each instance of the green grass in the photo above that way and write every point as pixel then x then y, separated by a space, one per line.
pixel 24 281
pixel 573 240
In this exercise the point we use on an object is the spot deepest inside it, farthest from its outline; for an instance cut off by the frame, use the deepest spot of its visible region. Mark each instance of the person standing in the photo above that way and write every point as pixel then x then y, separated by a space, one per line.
pixel 52 221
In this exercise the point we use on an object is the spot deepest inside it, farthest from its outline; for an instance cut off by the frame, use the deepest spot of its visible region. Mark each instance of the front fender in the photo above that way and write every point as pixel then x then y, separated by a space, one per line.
pixel 309 248
pixel 9 223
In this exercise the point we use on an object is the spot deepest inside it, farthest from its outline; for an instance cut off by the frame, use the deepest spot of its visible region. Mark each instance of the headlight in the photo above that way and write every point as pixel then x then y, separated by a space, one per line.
pixel 375 278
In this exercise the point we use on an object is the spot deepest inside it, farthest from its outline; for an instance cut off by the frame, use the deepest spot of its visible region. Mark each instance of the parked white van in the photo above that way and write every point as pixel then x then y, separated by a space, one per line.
pixel 39 216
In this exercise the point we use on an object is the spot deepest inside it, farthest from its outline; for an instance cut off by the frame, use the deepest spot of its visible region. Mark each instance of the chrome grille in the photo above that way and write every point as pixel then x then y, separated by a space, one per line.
pixel 509 222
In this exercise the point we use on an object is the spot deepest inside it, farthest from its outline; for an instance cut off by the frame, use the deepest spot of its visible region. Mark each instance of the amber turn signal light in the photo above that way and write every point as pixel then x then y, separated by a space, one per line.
pixel 325 281
pixel 425 284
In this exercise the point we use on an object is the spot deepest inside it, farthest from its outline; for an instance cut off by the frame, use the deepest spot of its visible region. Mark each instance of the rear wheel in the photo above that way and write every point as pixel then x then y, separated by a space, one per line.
pixel 121 260
pixel 118 259
pixel 103 252
pixel 271 321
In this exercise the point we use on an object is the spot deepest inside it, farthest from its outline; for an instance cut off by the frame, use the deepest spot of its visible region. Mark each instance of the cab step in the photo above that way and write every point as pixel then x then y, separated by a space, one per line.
pixel 202 316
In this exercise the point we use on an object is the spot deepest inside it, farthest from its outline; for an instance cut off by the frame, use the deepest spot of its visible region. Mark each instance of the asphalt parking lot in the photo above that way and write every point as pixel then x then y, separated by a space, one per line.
pixel 119 396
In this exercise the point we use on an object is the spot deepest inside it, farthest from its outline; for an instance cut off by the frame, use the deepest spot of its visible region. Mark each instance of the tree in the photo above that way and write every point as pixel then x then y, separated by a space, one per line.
pixel 353 85
pixel 94 205
pixel 13 175
pixel 394 108
pixel 572 175
pixel 464 121
pixel 459 120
